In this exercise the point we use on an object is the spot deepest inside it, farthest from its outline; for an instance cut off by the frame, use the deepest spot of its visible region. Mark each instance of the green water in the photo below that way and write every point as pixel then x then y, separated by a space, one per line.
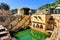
pixel 30 35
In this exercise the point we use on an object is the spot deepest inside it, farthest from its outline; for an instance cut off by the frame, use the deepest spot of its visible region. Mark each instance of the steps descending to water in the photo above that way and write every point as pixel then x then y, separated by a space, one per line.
pixel 21 23
pixel 18 22
pixel 55 34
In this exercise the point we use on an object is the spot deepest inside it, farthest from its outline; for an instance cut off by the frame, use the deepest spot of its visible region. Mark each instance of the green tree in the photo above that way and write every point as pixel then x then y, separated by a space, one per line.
pixel 50 5
pixel 4 6
pixel 45 6
pixel 58 1
pixel 14 11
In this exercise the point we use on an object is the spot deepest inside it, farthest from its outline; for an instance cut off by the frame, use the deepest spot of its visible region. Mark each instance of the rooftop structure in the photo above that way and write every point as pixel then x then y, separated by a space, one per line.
pixel 23 11
pixel 41 12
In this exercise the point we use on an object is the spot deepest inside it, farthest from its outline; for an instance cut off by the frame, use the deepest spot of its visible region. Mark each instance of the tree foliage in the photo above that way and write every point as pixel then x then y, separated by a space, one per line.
pixel 14 11
pixel 50 5
pixel 4 6
pixel 45 6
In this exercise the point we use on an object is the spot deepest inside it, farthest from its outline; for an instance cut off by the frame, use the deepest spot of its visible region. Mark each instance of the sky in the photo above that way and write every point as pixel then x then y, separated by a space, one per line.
pixel 33 4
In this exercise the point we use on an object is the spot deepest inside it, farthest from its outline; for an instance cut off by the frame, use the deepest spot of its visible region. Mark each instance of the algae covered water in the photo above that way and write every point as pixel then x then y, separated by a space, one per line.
pixel 29 34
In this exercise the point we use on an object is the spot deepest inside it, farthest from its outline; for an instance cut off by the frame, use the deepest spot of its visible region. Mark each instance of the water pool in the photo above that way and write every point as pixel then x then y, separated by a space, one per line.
pixel 29 34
